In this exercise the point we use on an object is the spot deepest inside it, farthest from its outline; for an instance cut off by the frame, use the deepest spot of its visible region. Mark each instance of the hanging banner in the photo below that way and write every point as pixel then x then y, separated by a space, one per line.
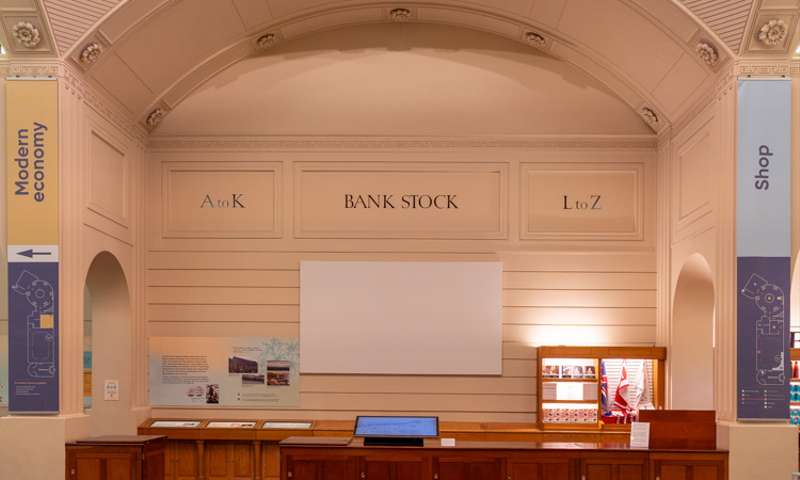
pixel 763 248
pixel 32 213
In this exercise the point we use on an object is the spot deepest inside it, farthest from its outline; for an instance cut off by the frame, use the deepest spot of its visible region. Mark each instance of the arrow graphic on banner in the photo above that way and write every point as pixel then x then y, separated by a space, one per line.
pixel 30 253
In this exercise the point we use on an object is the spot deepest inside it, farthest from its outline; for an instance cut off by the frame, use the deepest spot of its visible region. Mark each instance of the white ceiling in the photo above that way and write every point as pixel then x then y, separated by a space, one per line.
pixel 402 79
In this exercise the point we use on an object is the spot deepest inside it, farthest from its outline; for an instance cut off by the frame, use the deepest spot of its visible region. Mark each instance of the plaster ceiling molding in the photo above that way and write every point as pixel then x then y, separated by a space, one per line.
pixel 90 53
pixel 72 19
pixel 772 31
pixel 267 41
pixel 26 34
pixel 726 18
pixel 155 117
pixel 400 15
pixel 535 39
pixel 708 53
pixel 764 68
pixel 25 31
pixel 650 117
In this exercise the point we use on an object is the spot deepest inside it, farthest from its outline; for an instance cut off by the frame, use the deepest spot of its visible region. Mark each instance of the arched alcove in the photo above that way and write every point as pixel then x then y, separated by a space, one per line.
pixel 691 357
pixel 110 312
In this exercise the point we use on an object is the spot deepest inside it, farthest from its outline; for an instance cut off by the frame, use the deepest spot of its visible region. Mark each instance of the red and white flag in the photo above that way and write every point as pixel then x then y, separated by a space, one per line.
pixel 620 403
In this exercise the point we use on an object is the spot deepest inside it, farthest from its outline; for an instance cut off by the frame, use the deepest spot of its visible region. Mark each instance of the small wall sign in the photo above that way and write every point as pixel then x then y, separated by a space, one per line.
pixel 236 200
pixel 111 390
pixel 590 202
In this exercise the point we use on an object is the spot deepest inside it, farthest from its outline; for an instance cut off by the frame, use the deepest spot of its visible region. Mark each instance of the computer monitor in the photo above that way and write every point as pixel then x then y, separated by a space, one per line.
pixel 384 426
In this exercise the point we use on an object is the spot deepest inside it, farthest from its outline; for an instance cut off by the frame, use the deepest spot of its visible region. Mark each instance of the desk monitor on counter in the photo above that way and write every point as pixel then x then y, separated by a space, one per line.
pixel 396 431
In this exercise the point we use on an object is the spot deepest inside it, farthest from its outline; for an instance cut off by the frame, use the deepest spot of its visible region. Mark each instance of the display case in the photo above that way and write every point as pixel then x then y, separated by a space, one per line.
pixel 597 387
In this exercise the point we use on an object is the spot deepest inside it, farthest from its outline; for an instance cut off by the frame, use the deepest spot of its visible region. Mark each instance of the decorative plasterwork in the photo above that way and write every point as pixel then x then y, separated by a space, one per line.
pixel 90 53
pixel 764 68
pixel 726 18
pixel 266 41
pixel 535 39
pixel 154 117
pixel 650 117
pixel 393 143
pixel 773 32
pixel 26 34
pixel 72 19
pixel 75 84
pixel 400 15
pixel 707 53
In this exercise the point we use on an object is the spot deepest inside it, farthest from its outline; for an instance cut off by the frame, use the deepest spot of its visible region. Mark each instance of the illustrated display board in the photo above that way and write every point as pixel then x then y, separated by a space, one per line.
pixel 423 318
pixel 763 248
pixel 224 371
pixel 32 214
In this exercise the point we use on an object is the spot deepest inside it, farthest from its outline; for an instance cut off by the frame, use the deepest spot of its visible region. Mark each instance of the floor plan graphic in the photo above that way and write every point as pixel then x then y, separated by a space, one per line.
pixel 40 294
pixel 770 342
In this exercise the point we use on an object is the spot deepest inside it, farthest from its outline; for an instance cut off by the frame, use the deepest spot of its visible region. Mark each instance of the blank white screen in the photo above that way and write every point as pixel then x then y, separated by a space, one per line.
pixel 428 318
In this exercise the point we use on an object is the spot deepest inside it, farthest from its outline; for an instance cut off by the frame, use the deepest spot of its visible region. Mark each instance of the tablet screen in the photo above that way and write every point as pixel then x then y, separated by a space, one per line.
pixel 397 426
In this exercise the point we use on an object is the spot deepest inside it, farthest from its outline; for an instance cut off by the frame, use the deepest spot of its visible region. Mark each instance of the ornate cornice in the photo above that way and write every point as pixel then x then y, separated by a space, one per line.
pixel 724 83
pixel 103 105
pixel 394 143
pixel 75 83
pixel 38 69
pixel 767 68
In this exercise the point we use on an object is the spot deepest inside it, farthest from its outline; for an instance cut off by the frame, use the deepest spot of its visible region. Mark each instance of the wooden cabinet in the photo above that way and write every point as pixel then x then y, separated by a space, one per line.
pixel 614 467
pixel 229 461
pixel 320 467
pixel 181 461
pixel 401 467
pixel 540 467
pixel 674 466
pixel 116 458
pixel 472 467
pixel 499 461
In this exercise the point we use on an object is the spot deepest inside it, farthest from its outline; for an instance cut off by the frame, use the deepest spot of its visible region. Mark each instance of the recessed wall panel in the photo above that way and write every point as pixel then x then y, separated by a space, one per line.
pixel 108 179
pixel 231 200
pixel 376 200
pixel 582 201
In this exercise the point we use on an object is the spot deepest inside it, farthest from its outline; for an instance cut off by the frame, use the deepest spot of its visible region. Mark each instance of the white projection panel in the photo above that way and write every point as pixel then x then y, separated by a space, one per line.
pixel 427 318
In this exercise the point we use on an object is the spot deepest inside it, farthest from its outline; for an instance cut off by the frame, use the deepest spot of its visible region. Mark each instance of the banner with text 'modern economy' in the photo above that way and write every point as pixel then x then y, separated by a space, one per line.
pixel 763 248
pixel 32 214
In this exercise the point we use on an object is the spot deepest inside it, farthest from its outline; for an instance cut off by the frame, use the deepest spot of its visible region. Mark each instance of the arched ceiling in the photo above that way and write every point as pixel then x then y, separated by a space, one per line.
pixel 402 79
pixel 151 54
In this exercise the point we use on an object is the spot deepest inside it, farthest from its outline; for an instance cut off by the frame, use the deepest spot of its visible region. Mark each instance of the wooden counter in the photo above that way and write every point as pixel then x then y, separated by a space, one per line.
pixel 128 457
pixel 252 453
pixel 482 460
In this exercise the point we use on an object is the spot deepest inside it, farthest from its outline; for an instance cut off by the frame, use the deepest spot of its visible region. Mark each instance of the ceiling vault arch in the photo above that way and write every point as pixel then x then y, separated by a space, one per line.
pixel 659 56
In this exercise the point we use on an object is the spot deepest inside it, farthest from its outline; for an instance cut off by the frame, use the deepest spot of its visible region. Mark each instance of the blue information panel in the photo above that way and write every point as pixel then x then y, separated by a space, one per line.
pixel 33 337
pixel 397 426
pixel 763 332
pixel 763 239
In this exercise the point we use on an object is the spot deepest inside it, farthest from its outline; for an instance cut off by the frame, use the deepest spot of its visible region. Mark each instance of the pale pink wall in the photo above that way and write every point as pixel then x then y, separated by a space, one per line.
pixel 359 104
